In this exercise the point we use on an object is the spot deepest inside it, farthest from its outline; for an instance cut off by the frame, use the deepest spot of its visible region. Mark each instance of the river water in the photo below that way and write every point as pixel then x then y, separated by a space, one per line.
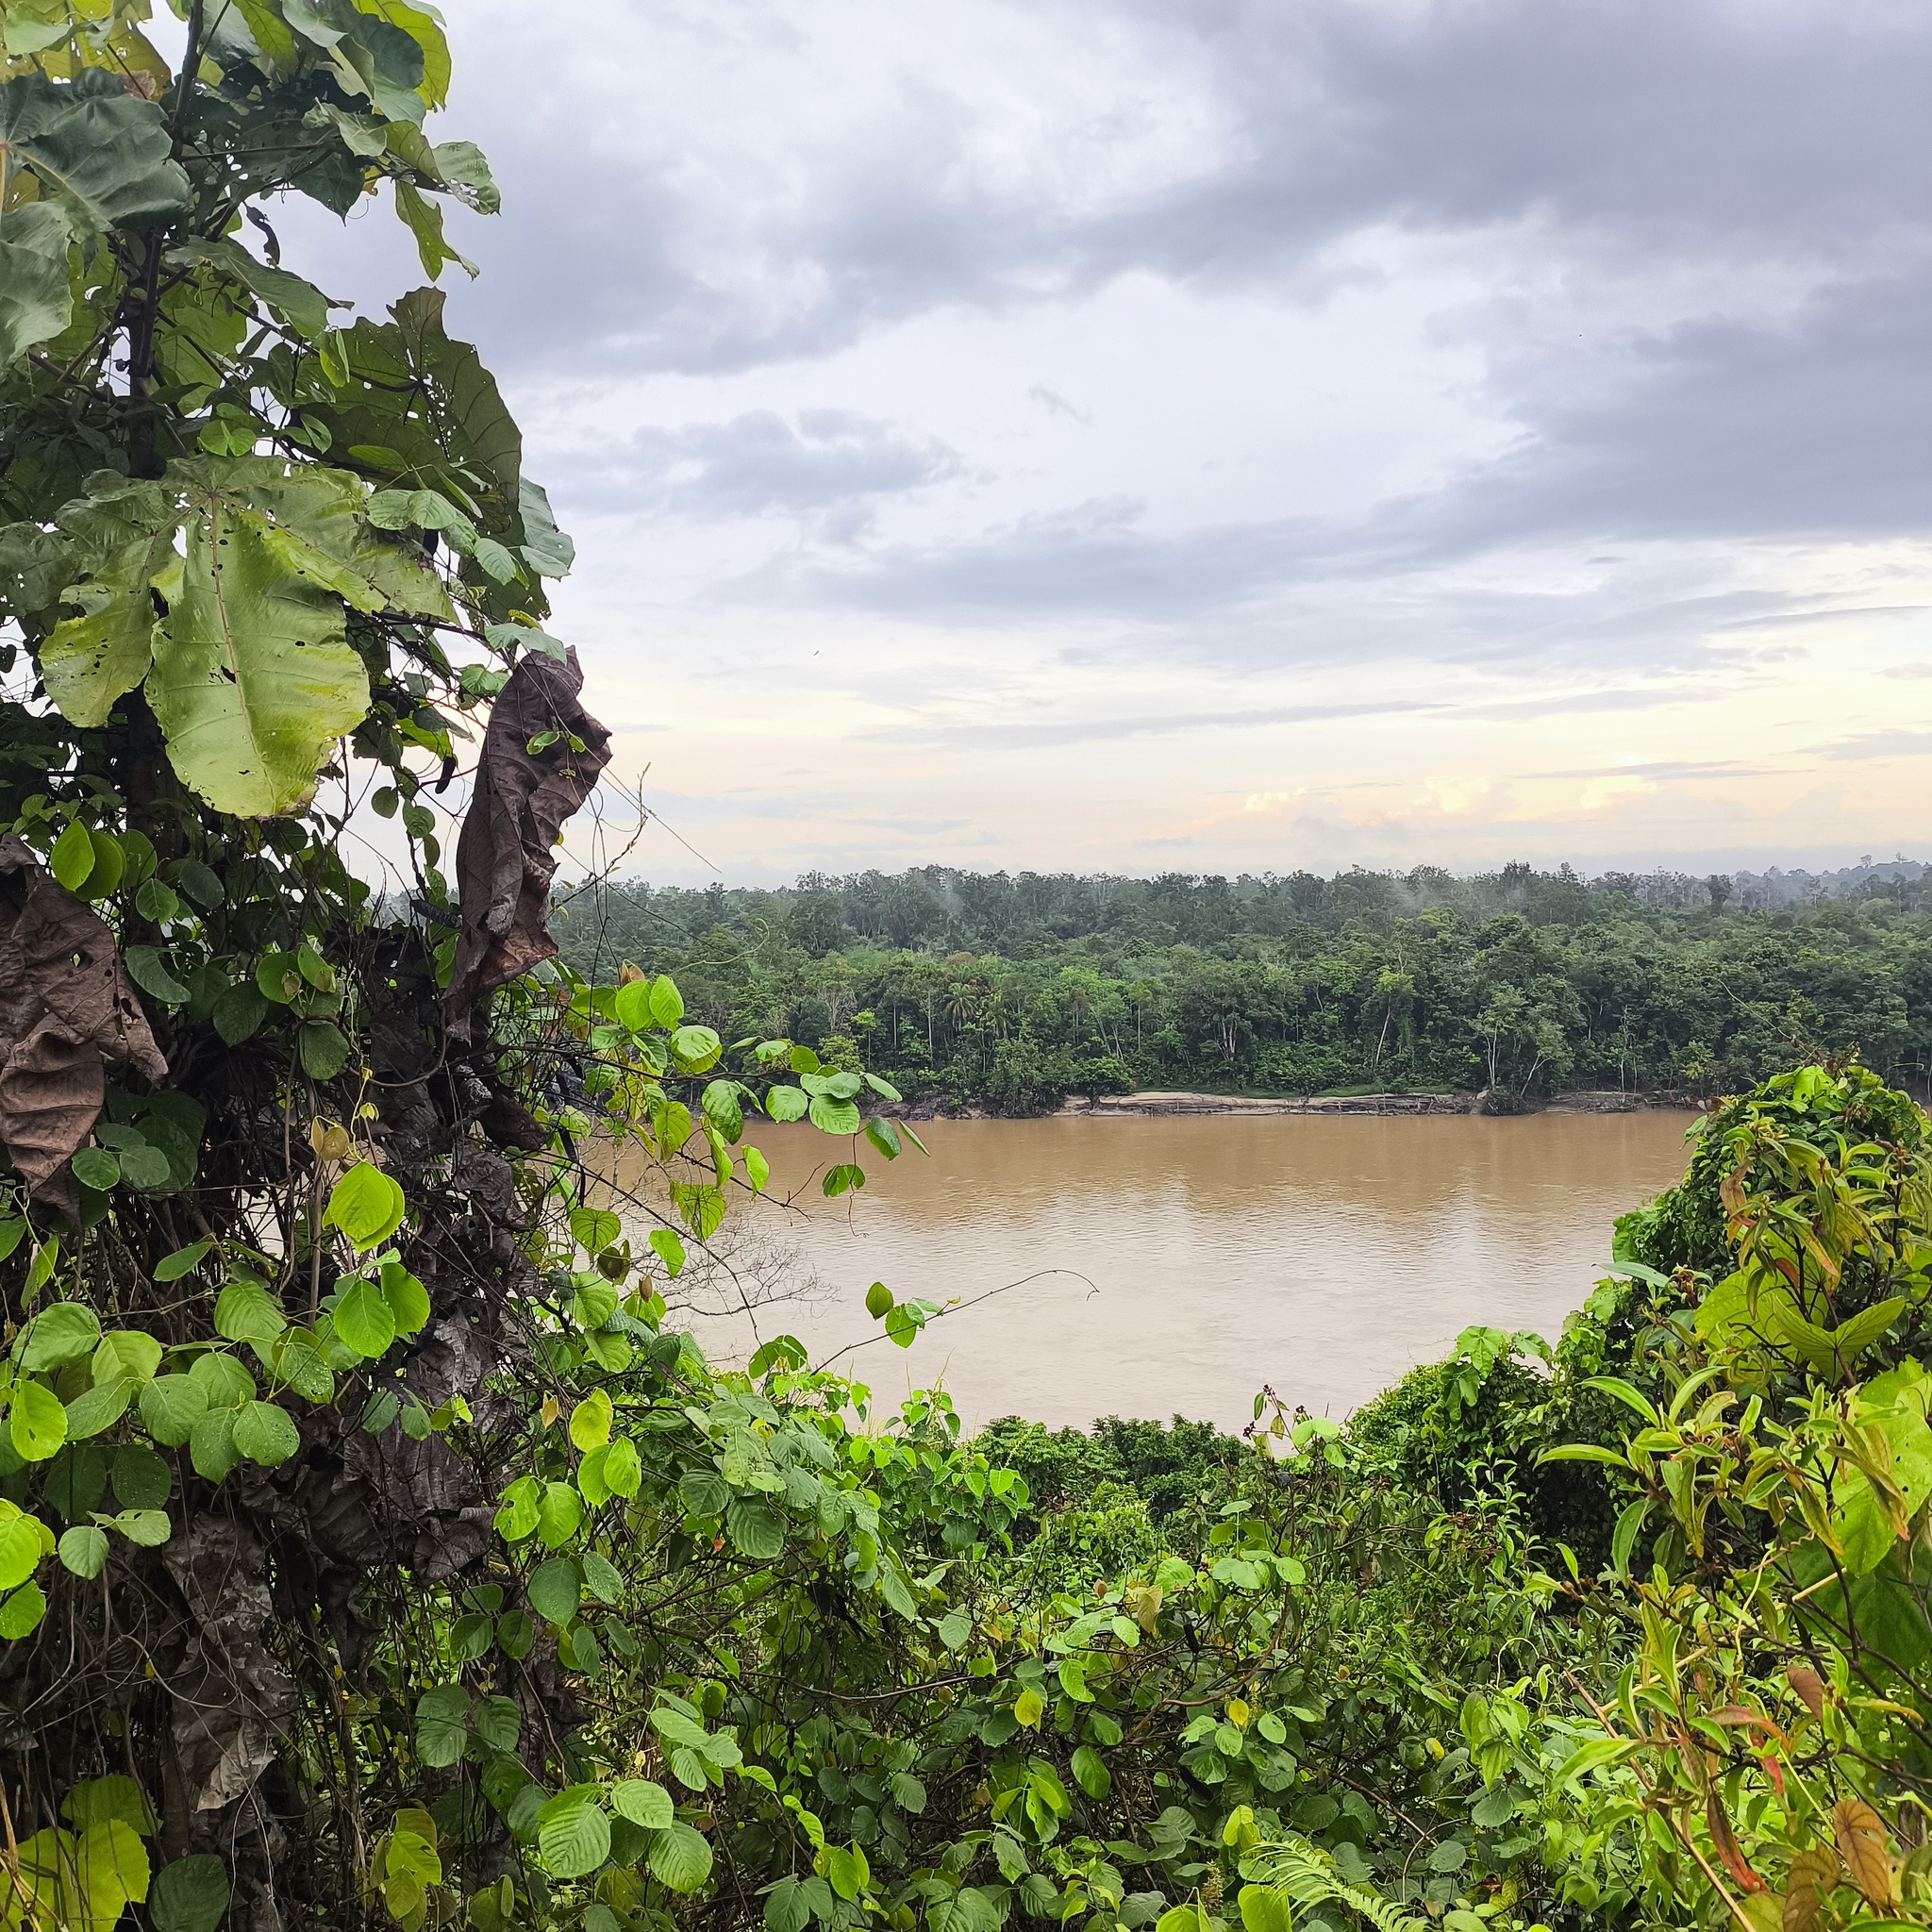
pixel 1150 1266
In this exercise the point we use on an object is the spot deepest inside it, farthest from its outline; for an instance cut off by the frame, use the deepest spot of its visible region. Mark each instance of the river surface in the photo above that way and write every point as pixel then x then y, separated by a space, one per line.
pixel 1155 1266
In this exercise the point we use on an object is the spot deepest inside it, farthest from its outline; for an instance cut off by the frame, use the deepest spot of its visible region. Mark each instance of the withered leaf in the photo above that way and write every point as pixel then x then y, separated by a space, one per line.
pixel 66 1012
pixel 1859 1835
pixel 1728 1849
pixel 505 856
pixel 1809 1687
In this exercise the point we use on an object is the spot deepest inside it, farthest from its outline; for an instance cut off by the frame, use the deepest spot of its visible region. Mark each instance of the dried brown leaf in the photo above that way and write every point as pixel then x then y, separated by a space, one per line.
pixel 1809 1687
pixel 1728 1849
pixel 505 856
pixel 66 1010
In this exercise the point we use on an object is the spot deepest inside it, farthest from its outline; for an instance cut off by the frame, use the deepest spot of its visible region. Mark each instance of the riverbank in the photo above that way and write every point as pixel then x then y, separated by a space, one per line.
pixel 1157 1105
pixel 1583 1100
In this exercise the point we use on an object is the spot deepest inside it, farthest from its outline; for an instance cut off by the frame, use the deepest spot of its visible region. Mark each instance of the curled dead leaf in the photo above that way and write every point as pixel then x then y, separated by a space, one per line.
pixel 66 1012
pixel 507 854
pixel 1737 1717
pixel 1728 1849
pixel 1809 1687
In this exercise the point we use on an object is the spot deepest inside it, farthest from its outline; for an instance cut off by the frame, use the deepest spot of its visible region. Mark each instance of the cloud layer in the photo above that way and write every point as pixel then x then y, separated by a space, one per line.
pixel 1179 402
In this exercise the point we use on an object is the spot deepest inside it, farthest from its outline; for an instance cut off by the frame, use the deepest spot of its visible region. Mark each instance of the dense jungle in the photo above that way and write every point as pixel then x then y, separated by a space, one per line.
pixel 1012 992
pixel 376 1548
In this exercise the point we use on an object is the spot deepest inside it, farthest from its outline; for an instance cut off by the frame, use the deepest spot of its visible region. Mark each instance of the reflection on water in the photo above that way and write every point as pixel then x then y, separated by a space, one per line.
pixel 1183 1262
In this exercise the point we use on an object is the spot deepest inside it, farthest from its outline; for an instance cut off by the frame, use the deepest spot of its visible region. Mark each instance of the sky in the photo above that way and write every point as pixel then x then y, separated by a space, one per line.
pixel 1219 435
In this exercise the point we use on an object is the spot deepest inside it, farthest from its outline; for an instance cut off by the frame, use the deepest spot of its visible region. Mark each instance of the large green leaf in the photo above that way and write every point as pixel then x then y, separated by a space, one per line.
pixel 546 549
pixel 36 300
pixel 299 304
pixel 34 563
pixel 572 1834
pixel 102 152
pixel 252 679
pixel 679 1859
pixel 122 538
pixel 315 520
pixel 421 411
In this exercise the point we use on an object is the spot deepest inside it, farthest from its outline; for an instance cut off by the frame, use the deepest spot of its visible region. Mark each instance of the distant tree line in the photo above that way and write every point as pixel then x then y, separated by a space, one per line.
pixel 1014 989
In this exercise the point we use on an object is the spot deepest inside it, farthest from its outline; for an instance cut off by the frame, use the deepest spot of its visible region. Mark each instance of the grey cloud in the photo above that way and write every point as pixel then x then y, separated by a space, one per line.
pixel 1783 142
pixel 1275 595
pixel 759 464
pixel 1057 404
pixel 1091 730
pixel 1789 127
pixel 1724 426
pixel 1794 132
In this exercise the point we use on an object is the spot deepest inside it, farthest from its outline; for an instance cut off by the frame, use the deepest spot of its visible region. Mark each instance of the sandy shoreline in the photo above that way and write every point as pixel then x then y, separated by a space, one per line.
pixel 1130 1106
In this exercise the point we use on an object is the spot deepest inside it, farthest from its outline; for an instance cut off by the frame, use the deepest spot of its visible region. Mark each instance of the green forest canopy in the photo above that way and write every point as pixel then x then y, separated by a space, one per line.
pixel 1017 989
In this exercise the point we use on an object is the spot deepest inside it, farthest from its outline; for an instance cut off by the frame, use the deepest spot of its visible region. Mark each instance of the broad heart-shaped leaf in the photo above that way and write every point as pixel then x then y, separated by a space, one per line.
pixel 266 1433
pixel 36 1421
pixel 423 406
pixel 84 1550
pixel 170 1408
pixel 189 1895
pixel 366 1205
pixel 252 679
pixel 101 151
pixel 754 1529
pixel 35 297
pixel 441 1725
pixel 22 1546
pixel 589 1421
pixel 300 304
pixel 679 1859
pixel 63 1332
pixel 642 1802
pixel 554 1590
pixel 363 1319
pixel 111 1868
pixel 572 1834
pixel 546 549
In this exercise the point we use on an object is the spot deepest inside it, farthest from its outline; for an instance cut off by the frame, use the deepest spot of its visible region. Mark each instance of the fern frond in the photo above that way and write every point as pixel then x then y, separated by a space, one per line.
pixel 1306 1876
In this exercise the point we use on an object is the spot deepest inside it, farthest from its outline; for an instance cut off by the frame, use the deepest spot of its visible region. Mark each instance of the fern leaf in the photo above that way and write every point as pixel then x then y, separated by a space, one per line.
pixel 1306 1874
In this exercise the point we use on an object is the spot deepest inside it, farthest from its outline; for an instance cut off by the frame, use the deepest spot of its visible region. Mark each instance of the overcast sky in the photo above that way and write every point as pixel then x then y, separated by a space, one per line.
pixel 1221 435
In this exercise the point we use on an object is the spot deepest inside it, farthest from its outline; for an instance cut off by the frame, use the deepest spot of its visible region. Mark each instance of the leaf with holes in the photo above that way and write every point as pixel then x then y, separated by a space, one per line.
pixel 36 1421
pixel 253 677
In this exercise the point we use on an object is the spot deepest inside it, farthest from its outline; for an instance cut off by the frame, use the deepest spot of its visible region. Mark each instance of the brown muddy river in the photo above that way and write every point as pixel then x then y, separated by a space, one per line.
pixel 1152 1266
